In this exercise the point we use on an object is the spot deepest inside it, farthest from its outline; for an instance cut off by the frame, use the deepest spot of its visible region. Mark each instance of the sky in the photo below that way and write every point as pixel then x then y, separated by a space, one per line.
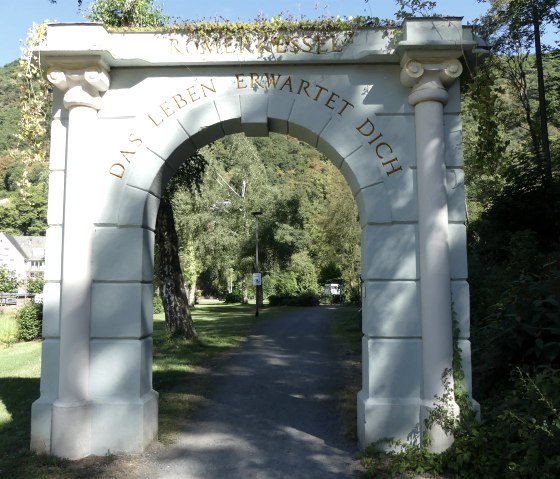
pixel 17 16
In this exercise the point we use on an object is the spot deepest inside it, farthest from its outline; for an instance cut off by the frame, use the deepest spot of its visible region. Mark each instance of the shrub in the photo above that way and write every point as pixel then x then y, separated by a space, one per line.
pixel 235 297
pixel 326 299
pixel 35 285
pixel 304 299
pixel 520 438
pixel 29 320
pixel 523 328
pixel 285 284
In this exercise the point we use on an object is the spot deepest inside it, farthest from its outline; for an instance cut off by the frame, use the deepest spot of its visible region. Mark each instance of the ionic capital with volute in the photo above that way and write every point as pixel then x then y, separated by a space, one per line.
pixel 82 81
pixel 428 77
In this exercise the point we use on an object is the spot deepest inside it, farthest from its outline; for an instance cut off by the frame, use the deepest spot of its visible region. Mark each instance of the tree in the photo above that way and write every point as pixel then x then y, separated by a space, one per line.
pixel 126 13
pixel 8 280
pixel 514 27
pixel 216 227
pixel 178 317
pixel 35 285
pixel 335 231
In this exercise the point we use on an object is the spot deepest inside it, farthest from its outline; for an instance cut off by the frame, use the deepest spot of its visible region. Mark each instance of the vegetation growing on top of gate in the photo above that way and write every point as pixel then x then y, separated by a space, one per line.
pixel 144 15
pixel 279 30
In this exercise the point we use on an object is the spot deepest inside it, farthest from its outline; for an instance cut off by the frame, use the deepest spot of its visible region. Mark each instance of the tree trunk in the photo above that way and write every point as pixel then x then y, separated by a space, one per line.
pixel 545 143
pixel 191 294
pixel 516 72
pixel 178 317
pixel 244 297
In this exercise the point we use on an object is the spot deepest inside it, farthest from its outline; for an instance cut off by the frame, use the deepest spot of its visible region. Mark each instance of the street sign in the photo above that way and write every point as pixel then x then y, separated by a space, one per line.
pixel 257 279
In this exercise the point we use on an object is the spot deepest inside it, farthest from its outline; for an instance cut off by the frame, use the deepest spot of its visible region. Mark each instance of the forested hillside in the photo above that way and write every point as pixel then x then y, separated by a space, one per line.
pixel 514 220
pixel 308 231
pixel 9 106
pixel 23 185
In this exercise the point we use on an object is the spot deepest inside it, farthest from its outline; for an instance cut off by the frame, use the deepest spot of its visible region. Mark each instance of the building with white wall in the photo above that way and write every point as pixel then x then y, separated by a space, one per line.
pixel 24 255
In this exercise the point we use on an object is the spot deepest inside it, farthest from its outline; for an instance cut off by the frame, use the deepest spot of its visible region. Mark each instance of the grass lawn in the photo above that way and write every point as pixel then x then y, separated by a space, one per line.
pixel 181 372
pixel 347 330
pixel 20 369
pixel 8 327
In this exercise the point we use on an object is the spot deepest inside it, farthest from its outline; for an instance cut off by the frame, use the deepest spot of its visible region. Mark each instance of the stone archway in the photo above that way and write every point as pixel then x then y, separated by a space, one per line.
pixel 129 108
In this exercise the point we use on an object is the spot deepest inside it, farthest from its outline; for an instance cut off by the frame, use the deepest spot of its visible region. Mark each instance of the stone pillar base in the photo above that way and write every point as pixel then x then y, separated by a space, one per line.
pixel 41 421
pixel 439 439
pixel 388 418
pixel 96 427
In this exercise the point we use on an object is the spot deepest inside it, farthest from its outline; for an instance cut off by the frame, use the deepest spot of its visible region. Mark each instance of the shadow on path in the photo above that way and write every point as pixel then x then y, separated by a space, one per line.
pixel 271 412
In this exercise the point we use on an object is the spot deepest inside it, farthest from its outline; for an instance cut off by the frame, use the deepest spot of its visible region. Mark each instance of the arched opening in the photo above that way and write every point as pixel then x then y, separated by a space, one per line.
pixel 131 237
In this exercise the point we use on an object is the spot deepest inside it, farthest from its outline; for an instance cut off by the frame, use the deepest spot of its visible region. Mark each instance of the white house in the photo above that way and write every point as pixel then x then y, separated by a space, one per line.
pixel 24 255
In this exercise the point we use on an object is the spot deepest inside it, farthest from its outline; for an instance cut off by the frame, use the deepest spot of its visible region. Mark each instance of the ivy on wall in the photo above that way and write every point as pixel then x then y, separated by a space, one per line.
pixel 35 101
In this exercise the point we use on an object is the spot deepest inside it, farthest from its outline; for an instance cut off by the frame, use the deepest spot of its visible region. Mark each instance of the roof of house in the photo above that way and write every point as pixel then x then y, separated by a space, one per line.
pixel 30 247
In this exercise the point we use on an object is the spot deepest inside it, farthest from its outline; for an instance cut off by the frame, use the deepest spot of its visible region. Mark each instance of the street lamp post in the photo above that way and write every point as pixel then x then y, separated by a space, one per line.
pixel 257 277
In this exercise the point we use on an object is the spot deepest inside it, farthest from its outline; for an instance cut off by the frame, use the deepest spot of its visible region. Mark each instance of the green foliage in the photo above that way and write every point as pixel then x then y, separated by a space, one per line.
pixel 414 8
pixel 8 280
pixel 24 170
pixel 523 329
pixel 29 321
pixel 158 304
pixel 234 297
pixel 35 285
pixel 488 140
pixel 126 13
pixel 285 283
pixel 401 458
pixel 514 276
pixel 305 273
pixel 9 107
pixel 297 190
pixel 189 175
pixel 511 24
pixel 8 326
pixel 25 212
pixel 520 437
pixel 329 271
pixel 302 299
pixel 279 30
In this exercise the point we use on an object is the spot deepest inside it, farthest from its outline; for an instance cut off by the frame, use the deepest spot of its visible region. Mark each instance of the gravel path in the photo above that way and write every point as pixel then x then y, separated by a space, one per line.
pixel 271 412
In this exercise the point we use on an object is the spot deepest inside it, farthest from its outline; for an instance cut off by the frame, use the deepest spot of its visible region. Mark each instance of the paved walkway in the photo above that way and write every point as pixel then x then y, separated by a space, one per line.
pixel 271 413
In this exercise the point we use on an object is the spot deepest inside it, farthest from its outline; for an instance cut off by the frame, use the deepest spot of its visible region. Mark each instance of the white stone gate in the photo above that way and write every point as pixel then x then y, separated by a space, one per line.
pixel 129 108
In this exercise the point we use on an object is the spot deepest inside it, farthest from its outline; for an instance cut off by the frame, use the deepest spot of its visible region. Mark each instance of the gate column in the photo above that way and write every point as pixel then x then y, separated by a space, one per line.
pixel 429 75
pixel 70 423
